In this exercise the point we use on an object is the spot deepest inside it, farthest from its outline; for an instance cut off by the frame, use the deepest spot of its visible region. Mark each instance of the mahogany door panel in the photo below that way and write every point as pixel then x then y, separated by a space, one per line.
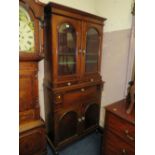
pixel 66 124
pixel 92 40
pixel 28 91
pixel 32 142
pixel 65 48
pixel 28 86
pixel 90 115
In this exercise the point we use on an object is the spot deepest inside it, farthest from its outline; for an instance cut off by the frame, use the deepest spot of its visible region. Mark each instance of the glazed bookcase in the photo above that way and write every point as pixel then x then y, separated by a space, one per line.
pixel 72 82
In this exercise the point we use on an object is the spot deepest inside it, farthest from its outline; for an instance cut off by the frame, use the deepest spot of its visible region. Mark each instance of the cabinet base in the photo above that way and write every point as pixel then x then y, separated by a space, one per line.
pixel 61 146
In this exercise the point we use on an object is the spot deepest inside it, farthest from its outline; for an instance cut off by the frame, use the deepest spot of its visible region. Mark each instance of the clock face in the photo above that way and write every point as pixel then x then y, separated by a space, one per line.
pixel 26 31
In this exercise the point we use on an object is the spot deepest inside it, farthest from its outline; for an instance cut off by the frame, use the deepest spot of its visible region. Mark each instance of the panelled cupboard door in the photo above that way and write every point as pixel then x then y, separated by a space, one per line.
pixel 67 124
pixel 92 40
pixel 90 115
pixel 28 88
pixel 66 36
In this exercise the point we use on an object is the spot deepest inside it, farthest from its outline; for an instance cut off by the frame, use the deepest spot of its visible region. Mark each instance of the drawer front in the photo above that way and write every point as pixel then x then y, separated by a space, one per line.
pixel 120 127
pixel 32 142
pixel 83 94
pixel 116 146
pixel 65 84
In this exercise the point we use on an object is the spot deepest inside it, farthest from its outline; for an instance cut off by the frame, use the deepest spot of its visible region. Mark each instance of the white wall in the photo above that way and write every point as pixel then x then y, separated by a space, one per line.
pixel 118 13
pixel 85 5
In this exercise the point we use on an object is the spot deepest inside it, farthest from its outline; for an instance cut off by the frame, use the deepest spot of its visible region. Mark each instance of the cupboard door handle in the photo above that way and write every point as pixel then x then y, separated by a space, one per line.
pixel 128 136
pixel 83 118
pixel 79 120
pixel 82 90
pixel 84 51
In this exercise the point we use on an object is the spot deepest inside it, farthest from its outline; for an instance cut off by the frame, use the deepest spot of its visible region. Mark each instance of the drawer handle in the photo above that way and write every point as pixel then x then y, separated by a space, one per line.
pixel 128 136
pixel 124 151
pixel 92 80
pixel 82 89
pixel 83 118
pixel 68 83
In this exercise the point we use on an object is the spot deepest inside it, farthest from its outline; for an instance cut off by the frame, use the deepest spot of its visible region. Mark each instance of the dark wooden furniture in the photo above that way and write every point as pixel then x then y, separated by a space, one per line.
pixel 32 140
pixel 119 132
pixel 72 80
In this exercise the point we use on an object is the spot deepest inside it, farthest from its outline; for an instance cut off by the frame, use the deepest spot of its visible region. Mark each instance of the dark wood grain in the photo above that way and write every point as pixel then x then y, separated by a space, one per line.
pixel 119 132
pixel 32 139
pixel 72 101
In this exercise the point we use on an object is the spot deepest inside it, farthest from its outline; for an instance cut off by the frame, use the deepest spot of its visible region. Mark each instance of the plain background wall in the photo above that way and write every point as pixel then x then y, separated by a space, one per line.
pixel 85 5
pixel 114 60
pixel 118 13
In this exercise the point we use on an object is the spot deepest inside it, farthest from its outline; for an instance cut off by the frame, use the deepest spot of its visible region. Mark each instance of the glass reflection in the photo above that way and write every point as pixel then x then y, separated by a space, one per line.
pixel 66 50
pixel 92 48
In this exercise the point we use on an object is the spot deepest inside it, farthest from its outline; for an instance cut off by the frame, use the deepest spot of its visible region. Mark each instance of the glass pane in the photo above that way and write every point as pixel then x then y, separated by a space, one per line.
pixel 92 47
pixel 26 31
pixel 66 50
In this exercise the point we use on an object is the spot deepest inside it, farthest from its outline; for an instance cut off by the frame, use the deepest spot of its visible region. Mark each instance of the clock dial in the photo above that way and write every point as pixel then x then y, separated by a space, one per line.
pixel 26 31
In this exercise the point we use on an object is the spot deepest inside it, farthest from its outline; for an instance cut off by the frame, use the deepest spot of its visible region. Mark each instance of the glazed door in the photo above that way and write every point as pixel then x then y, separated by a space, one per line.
pixel 92 39
pixel 66 44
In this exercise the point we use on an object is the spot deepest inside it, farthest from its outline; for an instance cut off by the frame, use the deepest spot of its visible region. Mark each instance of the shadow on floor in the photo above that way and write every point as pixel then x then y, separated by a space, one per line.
pixel 90 145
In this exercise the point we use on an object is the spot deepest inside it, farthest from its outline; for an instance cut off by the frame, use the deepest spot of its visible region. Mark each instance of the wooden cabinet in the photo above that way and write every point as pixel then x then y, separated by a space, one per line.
pixel 72 80
pixel 119 136
pixel 32 139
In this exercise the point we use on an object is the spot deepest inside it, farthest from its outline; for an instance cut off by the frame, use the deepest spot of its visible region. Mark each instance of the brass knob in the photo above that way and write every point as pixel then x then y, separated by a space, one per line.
pixel 58 97
pixel 123 151
pixel 79 120
pixel 68 83
pixel 128 136
pixel 83 118
pixel 84 51
pixel 82 89
pixel 92 80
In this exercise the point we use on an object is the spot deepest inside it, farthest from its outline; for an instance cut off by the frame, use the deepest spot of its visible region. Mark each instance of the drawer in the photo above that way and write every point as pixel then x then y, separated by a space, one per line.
pixel 120 127
pixel 83 94
pixel 32 142
pixel 116 146
pixel 64 84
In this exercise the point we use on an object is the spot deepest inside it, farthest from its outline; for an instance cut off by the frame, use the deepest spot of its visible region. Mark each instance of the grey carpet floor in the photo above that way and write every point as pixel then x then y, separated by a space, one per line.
pixel 90 145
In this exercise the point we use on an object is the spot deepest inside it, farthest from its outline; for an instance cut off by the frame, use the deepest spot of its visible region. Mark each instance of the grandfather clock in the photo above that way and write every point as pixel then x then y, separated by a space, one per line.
pixel 31 47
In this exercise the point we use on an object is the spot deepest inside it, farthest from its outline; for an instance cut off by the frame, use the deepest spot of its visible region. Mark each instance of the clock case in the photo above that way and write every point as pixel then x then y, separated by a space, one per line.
pixel 35 10
pixel 31 127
